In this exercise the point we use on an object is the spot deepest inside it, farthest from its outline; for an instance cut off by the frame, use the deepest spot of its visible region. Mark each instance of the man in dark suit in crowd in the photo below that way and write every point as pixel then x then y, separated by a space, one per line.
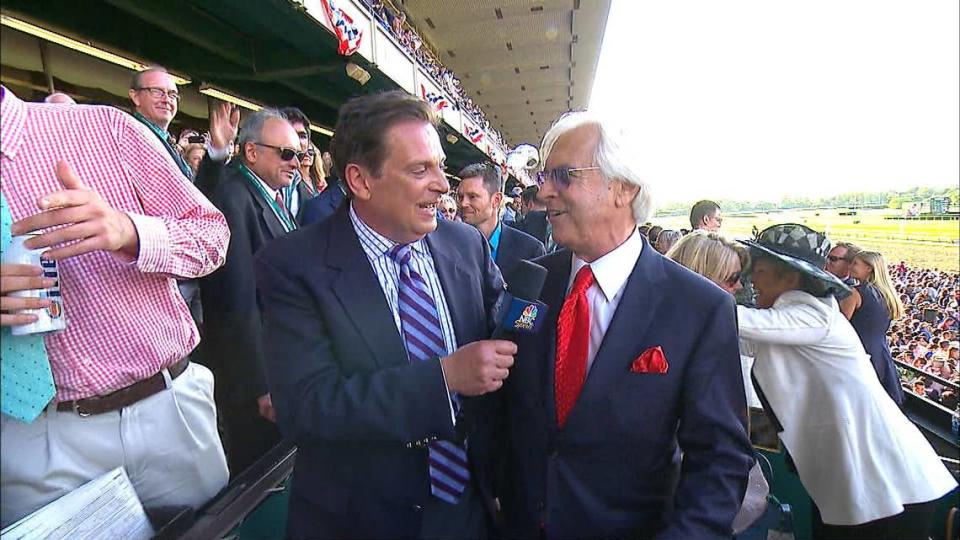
pixel 480 197
pixel 377 320
pixel 297 194
pixel 249 195
pixel 638 365
pixel 326 203
pixel 533 220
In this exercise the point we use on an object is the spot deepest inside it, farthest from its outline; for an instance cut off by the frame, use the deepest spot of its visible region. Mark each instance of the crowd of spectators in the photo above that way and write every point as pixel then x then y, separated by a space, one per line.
pixel 395 21
pixel 926 337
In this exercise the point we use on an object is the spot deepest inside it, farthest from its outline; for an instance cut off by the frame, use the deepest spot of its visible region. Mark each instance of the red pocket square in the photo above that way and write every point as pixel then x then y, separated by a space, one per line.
pixel 651 360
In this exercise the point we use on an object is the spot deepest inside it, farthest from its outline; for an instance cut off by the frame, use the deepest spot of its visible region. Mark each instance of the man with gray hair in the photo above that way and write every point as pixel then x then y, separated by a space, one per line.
pixel 660 346
pixel 250 197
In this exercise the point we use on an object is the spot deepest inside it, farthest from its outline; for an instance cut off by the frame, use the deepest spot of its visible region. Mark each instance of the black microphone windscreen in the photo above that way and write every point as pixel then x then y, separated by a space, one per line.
pixel 526 280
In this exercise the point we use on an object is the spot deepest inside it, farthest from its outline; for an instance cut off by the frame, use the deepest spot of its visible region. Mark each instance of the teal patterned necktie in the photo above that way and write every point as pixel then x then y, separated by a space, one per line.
pixel 26 382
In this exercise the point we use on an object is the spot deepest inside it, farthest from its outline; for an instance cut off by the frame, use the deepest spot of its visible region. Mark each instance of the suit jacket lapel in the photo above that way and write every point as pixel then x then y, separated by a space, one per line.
pixel 554 292
pixel 505 241
pixel 270 220
pixel 359 292
pixel 454 279
pixel 626 336
pixel 305 195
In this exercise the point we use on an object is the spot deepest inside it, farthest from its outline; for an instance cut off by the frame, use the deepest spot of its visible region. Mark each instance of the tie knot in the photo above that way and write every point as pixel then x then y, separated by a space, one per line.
pixel 401 254
pixel 583 281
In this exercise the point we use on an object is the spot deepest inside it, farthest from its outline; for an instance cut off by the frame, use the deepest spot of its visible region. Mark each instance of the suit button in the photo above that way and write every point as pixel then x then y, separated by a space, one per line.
pixel 417 508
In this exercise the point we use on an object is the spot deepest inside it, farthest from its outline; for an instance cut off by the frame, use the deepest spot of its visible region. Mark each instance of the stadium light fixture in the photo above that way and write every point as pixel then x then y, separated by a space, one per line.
pixel 229 98
pixel 79 46
pixel 322 130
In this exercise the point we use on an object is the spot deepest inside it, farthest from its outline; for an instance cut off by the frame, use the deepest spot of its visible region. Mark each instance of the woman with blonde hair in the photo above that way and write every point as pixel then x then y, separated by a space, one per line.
pixel 311 168
pixel 713 257
pixel 874 305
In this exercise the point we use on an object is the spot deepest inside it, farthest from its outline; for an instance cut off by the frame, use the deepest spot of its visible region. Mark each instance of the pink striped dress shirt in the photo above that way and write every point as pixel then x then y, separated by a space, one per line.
pixel 126 319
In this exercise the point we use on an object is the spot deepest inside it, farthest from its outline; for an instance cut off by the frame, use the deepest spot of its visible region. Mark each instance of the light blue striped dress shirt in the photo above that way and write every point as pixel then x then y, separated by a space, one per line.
pixel 377 248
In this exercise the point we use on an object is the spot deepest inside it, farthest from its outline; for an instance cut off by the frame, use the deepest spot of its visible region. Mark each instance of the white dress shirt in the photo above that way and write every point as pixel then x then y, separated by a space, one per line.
pixel 611 273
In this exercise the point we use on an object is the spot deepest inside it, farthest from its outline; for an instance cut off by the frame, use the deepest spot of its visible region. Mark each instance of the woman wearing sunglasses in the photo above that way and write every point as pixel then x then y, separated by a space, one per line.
pixel 868 469
pixel 311 169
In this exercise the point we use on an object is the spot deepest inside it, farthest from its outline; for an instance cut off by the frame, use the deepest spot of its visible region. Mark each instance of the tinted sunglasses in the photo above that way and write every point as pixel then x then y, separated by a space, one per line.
pixel 834 258
pixel 561 176
pixel 286 154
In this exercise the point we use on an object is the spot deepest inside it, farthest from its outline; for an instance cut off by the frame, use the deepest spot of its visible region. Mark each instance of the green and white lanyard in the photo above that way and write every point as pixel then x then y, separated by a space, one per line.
pixel 284 216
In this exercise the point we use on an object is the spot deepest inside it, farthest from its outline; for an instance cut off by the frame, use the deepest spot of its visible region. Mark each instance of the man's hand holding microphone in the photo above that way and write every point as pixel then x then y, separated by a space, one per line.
pixel 482 366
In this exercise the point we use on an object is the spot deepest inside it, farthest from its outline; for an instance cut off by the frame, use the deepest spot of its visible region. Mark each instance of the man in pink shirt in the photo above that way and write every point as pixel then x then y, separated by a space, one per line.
pixel 123 224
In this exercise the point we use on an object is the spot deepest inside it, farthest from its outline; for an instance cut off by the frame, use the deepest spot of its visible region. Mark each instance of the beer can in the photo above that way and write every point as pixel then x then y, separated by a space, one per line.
pixel 50 319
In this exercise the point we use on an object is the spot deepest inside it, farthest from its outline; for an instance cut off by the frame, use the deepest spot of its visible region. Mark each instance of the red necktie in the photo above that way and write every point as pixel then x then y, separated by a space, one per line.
pixel 573 341
pixel 283 207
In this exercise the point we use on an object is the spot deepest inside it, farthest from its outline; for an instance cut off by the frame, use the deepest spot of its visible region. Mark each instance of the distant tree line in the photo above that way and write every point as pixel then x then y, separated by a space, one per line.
pixel 877 199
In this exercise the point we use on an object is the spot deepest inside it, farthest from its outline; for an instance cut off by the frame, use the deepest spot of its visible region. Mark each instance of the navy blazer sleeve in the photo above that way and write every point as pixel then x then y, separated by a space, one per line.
pixel 712 434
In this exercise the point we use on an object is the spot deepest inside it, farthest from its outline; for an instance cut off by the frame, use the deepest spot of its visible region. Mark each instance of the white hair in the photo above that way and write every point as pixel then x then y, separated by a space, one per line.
pixel 611 155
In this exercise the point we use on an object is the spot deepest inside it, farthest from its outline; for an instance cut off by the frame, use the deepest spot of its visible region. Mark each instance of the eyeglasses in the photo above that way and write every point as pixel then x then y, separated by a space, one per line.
pixel 561 175
pixel 286 154
pixel 733 279
pixel 160 93
pixel 311 152
pixel 834 258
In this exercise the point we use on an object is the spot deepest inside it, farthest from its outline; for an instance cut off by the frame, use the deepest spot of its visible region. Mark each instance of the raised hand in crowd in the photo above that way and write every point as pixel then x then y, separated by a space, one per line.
pixel 21 277
pixel 89 222
pixel 224 122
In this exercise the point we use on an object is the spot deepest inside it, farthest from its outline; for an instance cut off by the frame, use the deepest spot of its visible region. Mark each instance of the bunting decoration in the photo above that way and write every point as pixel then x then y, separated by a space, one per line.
pixel 347 33
pixel 433 98
pixel 474 134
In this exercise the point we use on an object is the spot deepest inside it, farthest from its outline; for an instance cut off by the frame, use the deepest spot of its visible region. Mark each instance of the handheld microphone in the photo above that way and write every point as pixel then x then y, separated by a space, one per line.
pixel 522 313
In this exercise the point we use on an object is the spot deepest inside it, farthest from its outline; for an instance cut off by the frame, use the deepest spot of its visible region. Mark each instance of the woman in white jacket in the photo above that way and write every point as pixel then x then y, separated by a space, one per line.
pixel 868 469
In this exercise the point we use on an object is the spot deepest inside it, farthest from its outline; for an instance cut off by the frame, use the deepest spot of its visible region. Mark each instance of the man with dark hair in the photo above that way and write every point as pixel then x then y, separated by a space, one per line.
pixel 326 203
pixel 533 220
pixel 376 324
pixel 480 197
pixel 706 215
pixel 250 197
pixel 297 193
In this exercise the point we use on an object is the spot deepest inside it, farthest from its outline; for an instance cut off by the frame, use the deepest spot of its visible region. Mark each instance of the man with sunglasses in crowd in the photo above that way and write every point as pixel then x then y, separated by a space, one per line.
pixel 251 197
pixel 840 259
pixel 638 365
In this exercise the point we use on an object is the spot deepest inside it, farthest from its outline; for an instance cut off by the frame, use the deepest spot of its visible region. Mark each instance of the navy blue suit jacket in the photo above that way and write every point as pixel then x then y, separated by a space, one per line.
pixel 516 246
pixel 322 206
pixel 615 470
pixel 343 390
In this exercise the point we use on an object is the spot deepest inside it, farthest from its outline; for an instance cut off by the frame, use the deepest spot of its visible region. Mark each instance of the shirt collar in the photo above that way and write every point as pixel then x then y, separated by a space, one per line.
pixel 270 191
pixel 495 237
pixel 13 117
pixel 375 244
pixel 613 269
pixel 164 134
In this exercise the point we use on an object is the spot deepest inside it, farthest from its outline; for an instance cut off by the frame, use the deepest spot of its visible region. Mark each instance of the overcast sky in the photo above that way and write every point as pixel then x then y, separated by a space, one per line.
pixel 757 99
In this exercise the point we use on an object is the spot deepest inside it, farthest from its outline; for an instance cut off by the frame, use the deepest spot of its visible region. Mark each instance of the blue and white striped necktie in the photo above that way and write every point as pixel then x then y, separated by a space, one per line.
pixel 423 338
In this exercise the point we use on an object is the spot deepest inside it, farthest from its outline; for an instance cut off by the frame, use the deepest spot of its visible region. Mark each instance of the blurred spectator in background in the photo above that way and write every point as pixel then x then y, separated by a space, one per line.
pixel 298 192
pixel 653 234
pixel 448 208
pixel 311 169
pixel 155 100
pixel 533 218
pixel 59 98
pixel 666 239
pixel 840 259
pixel 706 215
pixel 193 155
